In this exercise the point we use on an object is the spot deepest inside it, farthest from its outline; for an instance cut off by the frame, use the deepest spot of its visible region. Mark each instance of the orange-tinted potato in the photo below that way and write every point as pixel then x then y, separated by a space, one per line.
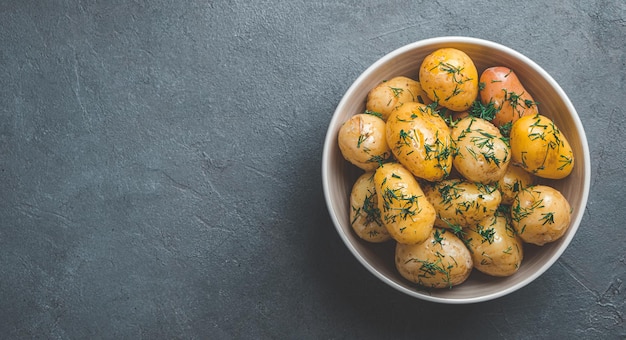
pixel 449 77
pixel 501 86
pixel 539 147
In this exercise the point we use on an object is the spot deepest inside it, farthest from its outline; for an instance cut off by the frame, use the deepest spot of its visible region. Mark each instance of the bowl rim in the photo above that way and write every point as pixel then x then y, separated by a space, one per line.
pixel 328 146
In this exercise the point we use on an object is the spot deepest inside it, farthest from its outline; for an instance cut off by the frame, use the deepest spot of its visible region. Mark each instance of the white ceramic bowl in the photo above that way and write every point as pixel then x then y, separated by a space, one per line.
pixel 338 175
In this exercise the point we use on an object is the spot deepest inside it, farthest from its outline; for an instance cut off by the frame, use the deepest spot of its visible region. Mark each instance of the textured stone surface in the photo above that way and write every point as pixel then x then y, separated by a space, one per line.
pixel 160 169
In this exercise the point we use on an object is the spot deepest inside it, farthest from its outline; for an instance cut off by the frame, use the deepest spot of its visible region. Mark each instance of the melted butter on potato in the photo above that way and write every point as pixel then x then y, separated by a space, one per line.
pixel 420 139
pixel 390 94
pixel 449 78
pixel 481 154
pixel 404 210
pixel 362 141
pixel 441 261
pixel 540 214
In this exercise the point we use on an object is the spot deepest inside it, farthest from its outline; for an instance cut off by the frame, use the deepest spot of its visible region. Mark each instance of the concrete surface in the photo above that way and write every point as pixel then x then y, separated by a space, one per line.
pixel 160 169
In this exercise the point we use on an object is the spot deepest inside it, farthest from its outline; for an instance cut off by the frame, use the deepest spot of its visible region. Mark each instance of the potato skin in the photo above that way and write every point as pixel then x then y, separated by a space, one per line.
pixel 420 139
pixel 362 141
pixel 441 261
pixel 481 154
pixel 501 86
pixel 515 179
pixel 461 203
pixel 449 77
pixel 539 147
pixel 405 211
pixel 495 248
pixel 389 94
pixel 540 214
pixel 364 212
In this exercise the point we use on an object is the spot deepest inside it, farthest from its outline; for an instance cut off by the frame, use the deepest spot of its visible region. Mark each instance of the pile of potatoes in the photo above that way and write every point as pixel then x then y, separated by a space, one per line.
pixel 450 163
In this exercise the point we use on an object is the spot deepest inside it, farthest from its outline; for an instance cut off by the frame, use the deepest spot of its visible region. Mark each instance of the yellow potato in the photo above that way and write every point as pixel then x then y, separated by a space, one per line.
pixel 539 147
pixel 405 211
pixel 441 261
pixel 362 141
pixel 495 248
pixel 392 93
pixel 481 154
pixel 460 203
pixel 448 187
pixel 514 180
pixel 540 214
pixel 364 212
pixel 420 139
pixel 449 77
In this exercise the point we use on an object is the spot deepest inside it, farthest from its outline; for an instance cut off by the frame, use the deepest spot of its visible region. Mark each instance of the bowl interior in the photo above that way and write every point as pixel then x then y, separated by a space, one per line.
pixel 338 175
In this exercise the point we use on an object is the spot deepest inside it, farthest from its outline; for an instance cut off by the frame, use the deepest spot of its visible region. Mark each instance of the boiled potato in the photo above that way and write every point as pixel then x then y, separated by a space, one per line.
pixel 450 163
pixel 500 86
pixel 481 154
pixel 461 203
pixel 420 139
pixel 362 141
pixel 449 78
pixel 540 214
pixel 514 180
pixel 441 261
pixel 364 212
pixel 539 147
pixel 392 93
pixel 405 211
pixel 494 246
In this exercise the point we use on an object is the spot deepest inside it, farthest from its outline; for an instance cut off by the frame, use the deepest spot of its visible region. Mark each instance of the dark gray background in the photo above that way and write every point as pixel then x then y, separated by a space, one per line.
pixel 160 169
